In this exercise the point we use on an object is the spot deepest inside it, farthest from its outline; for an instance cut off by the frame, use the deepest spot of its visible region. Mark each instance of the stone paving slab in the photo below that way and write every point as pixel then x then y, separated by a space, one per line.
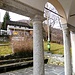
pixel 49 70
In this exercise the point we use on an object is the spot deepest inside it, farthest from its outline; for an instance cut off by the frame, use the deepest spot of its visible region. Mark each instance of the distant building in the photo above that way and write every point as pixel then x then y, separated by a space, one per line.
pixel 18 28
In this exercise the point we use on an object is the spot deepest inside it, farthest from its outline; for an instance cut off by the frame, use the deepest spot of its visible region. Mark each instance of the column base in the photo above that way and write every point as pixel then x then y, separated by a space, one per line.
pixel 73 73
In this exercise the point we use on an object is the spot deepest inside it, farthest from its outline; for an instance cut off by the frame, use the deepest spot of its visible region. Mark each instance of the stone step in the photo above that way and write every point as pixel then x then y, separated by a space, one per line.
pixel 15 60
pixel 14 66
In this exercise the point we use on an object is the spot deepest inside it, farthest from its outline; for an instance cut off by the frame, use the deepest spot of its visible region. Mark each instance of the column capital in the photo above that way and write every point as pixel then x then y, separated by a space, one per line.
pixel 64 26
pixel 38 18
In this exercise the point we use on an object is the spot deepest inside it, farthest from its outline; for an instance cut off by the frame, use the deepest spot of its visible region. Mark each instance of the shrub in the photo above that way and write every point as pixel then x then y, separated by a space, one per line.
pixel 23 47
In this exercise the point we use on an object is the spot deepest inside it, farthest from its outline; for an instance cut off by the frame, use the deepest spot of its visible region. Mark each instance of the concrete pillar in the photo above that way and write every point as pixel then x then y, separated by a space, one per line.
pixel 38 52
pixel 73 50
pixel 67 53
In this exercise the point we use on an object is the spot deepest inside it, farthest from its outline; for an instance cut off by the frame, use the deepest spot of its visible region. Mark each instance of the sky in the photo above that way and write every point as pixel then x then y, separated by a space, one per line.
pixel 13 16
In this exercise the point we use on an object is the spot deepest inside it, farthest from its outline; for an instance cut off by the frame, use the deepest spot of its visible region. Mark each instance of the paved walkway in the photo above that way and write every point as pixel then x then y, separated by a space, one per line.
pixel 49 70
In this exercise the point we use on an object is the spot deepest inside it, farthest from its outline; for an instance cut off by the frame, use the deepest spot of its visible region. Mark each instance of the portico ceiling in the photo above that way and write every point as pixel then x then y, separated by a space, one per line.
pixel 38 4
pixel 71 19
pixel 35 6
pixel 19 7
pixel 31 8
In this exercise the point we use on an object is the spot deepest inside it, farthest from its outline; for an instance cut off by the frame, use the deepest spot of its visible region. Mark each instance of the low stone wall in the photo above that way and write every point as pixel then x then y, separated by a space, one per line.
pixel 55 59
pixel 4 38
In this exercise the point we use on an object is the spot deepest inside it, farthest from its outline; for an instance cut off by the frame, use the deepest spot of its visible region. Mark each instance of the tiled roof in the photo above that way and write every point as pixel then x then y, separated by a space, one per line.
pixel 20 24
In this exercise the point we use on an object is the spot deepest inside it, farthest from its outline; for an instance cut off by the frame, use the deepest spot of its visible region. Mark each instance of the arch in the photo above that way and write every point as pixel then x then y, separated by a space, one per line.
pixel 60 10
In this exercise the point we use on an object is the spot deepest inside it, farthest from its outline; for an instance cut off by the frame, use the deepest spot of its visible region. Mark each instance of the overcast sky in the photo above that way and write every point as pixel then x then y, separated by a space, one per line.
pixel 13 16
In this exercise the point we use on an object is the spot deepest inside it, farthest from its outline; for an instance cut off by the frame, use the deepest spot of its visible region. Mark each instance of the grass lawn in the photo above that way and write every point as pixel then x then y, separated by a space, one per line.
pixel 54 48
pixel 4 50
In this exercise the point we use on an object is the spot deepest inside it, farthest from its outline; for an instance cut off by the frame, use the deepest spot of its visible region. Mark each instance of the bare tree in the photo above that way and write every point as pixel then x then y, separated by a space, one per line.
pixel 53 18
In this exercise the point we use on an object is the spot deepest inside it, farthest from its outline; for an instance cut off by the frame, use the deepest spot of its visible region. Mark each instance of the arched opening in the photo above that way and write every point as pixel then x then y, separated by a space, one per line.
pixel 52 27
pixel 60 10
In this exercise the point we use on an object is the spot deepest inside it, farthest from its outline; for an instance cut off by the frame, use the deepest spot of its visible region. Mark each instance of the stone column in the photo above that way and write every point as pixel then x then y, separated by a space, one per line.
pixel 38 52
pixel 73 50
pixel 67 53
